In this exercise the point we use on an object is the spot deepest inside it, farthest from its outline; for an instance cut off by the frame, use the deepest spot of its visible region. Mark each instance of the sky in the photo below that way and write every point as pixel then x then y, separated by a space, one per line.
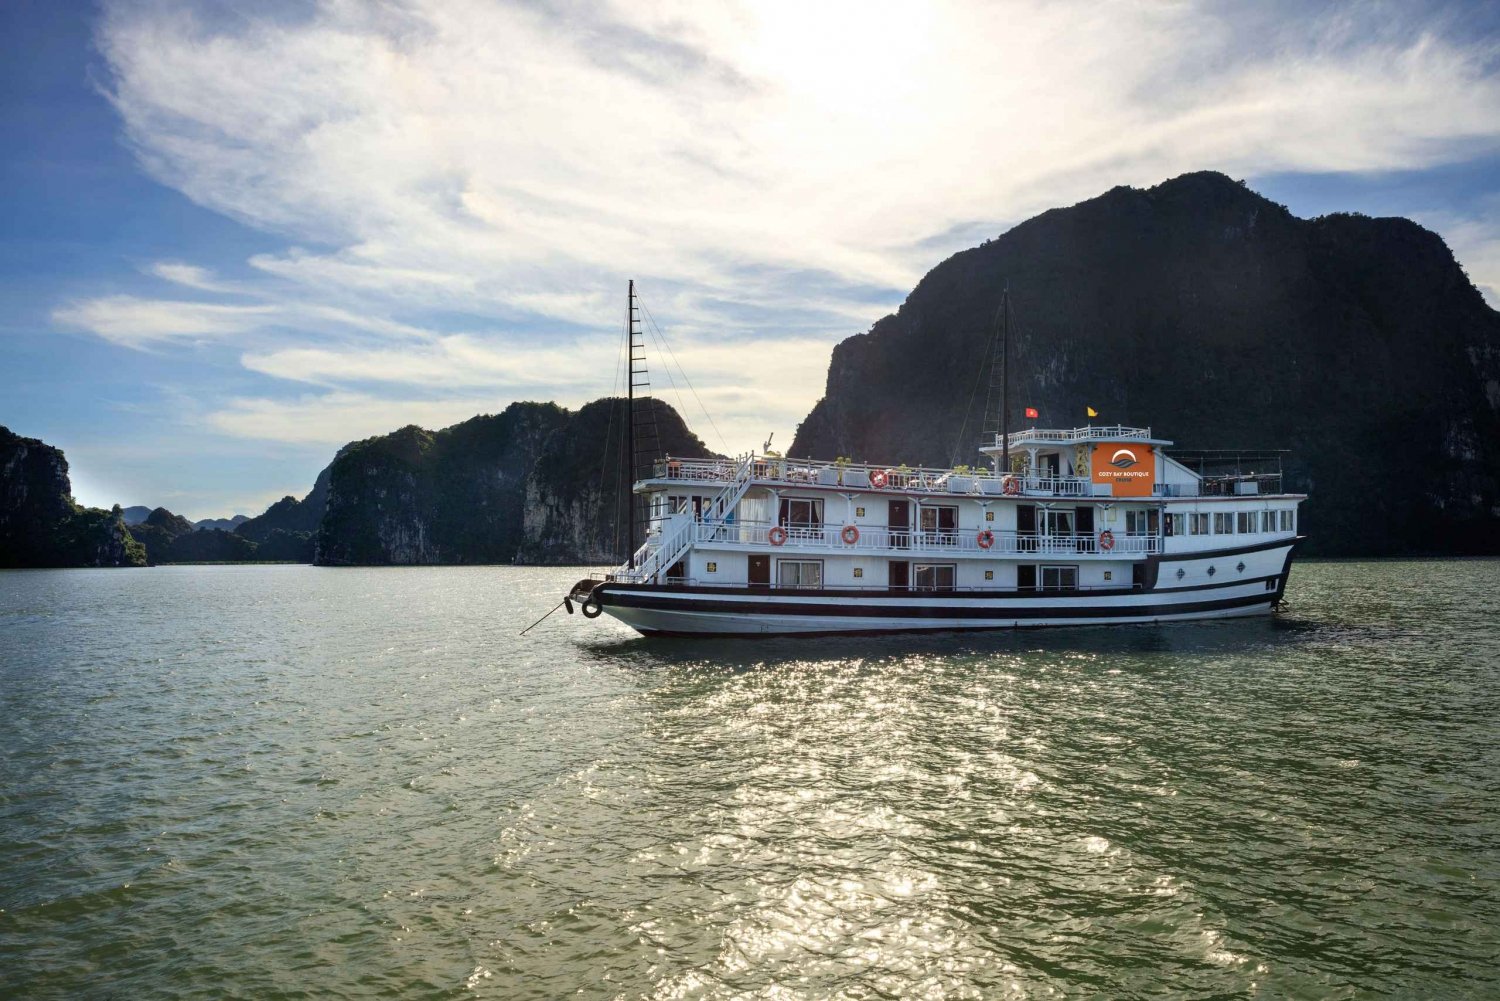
pixel 236 235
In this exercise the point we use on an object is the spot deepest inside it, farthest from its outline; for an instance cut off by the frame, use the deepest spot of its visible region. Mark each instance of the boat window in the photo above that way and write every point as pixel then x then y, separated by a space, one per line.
pixel 799 573
pixel 1268 521
pixel 1286 521
pixel 798 512
pixel 939 519
pixel 1058 522
pixel 1223 523
pixel 1246 521
pixel 1176 523
pixel 933 576
pixel 1198 524
pixel 1141 522
pixel 1059 578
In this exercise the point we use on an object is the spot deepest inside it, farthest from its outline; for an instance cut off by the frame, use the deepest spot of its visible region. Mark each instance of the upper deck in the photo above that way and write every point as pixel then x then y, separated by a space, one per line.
pixel 1073 436
pixel 1037 477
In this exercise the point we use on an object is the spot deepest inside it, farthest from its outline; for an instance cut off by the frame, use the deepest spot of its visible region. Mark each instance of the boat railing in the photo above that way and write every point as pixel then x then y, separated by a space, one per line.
pixel 1111 432
pixel 1240 485
pixel 919 542
pixel 875 590
pixel 731 475
pixel 869 476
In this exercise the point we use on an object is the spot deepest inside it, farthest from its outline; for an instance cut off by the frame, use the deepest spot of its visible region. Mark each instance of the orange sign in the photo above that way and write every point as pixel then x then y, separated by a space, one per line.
pixel 1130 470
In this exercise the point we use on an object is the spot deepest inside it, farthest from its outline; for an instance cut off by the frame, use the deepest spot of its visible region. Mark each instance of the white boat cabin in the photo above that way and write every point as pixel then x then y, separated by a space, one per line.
pixel 1074 509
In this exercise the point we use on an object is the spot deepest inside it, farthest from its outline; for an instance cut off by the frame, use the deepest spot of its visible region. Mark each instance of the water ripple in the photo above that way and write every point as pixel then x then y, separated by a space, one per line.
pixel 284 782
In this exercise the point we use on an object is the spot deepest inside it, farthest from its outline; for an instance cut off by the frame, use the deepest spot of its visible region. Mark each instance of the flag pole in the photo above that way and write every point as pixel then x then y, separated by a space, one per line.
pixel 1005 381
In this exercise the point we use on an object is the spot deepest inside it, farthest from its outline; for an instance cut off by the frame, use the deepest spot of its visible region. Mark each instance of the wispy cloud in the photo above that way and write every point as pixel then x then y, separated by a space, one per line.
pixel 773 171
pixel 137 322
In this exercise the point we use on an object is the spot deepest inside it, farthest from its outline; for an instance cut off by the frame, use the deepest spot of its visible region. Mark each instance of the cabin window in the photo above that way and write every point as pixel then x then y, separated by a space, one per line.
pixel 1246 521
pixel 1268 521
pixel 1223 523
pixel 1198 524
pixel 1140 522
pixel 939 524
pixel 1176 524
pixel 933 576
pixel 799 573
pixel 1286 521
pixel 1059 578
pixel 797 512
pixel 1058 521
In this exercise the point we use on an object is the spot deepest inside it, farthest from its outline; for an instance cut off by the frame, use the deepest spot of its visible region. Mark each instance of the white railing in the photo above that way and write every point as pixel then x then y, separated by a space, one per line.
pixel 667 541
pixel 858 476
pixel 913 542
pixel 1091 433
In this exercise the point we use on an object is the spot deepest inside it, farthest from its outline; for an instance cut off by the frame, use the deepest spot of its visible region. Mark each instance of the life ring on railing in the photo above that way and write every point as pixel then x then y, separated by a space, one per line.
pixel 850 535
pixel 1010 485
pixel 776 536
pixel 1106 540
pixel 877 478
pixel 985 538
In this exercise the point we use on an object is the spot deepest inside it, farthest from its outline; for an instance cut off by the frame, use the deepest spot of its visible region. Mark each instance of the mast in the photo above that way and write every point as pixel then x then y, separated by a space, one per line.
pixel 1005 381
pixel 629 478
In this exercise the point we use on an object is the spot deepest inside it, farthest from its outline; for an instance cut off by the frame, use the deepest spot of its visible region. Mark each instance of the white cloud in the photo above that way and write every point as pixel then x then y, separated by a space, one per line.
pixel 779 159
pixel 339 417
pixel 740 409
pixel 137 323
pixel 1475 241
pixel 190 275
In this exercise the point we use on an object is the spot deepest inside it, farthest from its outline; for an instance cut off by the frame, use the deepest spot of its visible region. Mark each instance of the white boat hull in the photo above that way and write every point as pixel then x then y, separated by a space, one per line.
pixel 1222 584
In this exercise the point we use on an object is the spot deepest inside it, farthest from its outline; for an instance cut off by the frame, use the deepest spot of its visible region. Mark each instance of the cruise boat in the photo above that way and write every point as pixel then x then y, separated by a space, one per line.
pixel 1087 525
pixel 1084 525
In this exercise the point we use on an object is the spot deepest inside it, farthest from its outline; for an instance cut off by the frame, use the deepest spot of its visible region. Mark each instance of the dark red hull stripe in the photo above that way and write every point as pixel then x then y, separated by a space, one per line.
pixel 1008 594
pixel 674 603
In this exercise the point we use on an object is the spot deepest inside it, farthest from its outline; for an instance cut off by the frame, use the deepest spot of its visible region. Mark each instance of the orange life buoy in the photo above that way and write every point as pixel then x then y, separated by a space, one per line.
pixel 850 535
pixel 986 538
pixel 1010 484
pixel 776 536
pixel 1106 540
pixel 877 478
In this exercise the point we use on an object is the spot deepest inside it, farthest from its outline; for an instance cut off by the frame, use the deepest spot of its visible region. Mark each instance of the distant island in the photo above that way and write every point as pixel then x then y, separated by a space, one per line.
pixel 1197 307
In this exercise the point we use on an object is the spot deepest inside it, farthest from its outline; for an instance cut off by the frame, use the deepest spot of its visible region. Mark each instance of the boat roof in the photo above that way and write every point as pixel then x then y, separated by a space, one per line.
pixel 1065 436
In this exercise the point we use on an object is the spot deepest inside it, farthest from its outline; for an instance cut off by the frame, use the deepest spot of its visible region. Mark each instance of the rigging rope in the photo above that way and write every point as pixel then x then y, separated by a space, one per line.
pixel 673 355
pixel 978 374
pixel 609 431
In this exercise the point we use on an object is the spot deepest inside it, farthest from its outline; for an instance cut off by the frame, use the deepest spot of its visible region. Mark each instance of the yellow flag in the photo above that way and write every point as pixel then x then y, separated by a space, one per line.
pixel 1093 412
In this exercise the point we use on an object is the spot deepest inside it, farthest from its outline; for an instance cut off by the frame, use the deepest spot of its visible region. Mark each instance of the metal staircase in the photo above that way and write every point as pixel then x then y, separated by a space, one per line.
pixel 679 531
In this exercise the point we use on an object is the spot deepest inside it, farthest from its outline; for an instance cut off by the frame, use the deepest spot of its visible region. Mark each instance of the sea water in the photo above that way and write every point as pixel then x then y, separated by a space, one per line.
pixel 287 782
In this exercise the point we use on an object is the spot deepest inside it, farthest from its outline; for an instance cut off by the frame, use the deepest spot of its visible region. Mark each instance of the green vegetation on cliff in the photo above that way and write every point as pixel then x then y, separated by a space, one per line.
pixel 1220 320
pixel 42 526
pixel 521 485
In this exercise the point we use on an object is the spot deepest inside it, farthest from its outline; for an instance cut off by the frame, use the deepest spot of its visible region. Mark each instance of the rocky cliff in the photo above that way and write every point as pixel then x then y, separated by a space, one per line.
pixel 1217 318
pixel 41 525
pixel 288 529
pixel 171 538
pixel 519 486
